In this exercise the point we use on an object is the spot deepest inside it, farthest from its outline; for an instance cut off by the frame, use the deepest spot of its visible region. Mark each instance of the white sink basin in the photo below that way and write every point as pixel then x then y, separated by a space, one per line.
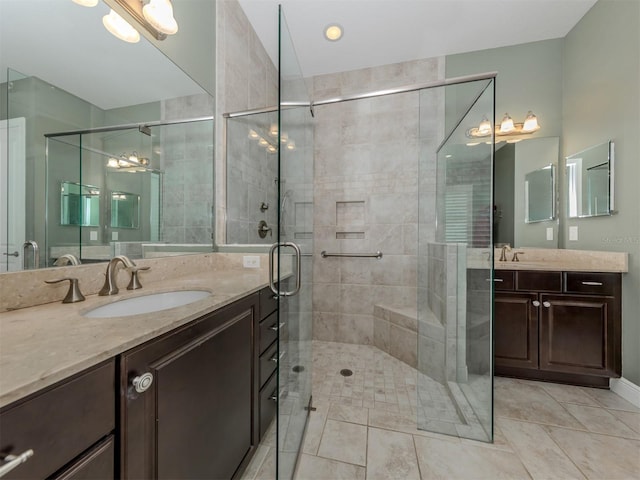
pixel 147 303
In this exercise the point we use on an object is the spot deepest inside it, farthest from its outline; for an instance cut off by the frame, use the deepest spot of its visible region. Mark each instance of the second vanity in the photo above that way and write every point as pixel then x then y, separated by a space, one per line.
pixel 559 319
pixel 190 389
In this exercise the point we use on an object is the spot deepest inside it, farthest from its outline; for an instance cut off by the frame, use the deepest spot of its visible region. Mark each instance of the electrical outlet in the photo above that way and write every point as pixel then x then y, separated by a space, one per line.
pixel 114 235
pixel 252 261
pixel 549 233
pixel 573 234
pixel 93 235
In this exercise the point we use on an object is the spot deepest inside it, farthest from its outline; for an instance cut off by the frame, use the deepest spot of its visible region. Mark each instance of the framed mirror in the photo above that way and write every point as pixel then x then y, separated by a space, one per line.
pixel 125 210
pixel 539 195
pixel 79 204
pixel 589 183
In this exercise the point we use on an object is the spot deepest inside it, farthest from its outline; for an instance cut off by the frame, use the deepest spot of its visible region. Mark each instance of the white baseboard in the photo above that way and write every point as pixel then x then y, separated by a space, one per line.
pixel 626 389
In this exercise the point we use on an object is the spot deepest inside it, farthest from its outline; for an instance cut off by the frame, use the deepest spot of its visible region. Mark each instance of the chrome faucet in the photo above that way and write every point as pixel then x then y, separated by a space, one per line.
pixel 110 287
pixel 503 252
pixel 66 259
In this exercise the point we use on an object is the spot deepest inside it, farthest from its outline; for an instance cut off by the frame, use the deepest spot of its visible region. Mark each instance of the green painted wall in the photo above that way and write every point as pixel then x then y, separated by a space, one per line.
pixel 601 83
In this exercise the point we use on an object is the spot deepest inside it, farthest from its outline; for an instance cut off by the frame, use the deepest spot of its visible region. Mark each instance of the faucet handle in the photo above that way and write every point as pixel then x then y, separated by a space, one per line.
pixel 135 284
pixel 74 294
pixel 515 256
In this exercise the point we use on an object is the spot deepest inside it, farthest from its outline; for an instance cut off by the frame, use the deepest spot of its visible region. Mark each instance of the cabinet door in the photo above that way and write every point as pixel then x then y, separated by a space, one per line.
pixel 577 334
pixel 195 420
pixel 516 330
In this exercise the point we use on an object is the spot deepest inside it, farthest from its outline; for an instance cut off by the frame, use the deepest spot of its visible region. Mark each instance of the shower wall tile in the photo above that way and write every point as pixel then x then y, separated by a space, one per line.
pixel 246 78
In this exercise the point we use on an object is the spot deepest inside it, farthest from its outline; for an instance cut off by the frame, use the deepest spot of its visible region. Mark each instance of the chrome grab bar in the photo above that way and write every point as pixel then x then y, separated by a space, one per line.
pixel 377 255
pixel 272 285
pixel 36 254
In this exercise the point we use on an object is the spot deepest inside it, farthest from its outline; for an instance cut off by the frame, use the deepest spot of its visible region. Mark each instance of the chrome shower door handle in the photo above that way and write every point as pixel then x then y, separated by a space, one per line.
pixel 298 271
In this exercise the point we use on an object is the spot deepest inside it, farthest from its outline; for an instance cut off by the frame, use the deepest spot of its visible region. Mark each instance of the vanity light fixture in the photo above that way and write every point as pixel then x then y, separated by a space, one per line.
pixel 159 13
pixel 156 16
pixel 120 28
pixel 333 32
pixel 86 3
pixel 507 128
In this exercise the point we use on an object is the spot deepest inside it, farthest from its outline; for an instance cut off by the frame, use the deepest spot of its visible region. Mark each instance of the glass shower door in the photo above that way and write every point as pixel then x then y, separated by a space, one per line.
pixel 455 265
pixel 295 232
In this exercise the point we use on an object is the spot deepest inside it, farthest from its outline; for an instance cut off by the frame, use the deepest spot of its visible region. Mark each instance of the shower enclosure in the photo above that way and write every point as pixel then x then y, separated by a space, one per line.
pixel 122 190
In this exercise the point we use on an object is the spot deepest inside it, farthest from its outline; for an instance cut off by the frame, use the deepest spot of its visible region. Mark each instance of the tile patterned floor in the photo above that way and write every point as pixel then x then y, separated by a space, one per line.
pixel 365 429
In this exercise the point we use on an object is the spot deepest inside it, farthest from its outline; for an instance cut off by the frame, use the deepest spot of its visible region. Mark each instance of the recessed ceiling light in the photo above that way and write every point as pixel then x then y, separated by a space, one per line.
pixel 333 32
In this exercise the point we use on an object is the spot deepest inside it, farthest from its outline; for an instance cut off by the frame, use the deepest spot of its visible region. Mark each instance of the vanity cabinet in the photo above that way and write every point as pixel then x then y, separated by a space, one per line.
pixel 558 326
pixel 195 418
pixel 268 361
pixel 69 426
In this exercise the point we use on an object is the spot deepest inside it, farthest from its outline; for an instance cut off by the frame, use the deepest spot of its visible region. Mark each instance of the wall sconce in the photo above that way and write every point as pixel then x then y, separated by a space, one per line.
pixel 156 16
pixel 506 128
pixel 128 161
pixel 120 28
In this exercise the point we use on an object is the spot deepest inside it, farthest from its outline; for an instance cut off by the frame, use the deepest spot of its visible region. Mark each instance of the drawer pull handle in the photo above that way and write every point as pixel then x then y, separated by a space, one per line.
pixel 274 396
pixel 277 358
pixel 546 304
pixel 142 382
pixel 275 327
pixel 12 461
pixel 593 284
pixel 536 303
pixel 495 280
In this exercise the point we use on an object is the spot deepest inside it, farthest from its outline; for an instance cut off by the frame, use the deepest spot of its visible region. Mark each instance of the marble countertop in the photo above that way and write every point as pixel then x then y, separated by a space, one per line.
pixel 44 344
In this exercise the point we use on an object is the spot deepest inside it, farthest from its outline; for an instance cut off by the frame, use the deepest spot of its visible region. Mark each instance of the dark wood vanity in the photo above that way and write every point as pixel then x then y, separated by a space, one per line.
pixel 192 403
pixel 558 326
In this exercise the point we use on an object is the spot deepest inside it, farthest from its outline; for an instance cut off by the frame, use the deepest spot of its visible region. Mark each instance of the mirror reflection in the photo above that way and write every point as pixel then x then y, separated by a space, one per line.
pixel 539 194
pixel 79 204
pixel 589 182
pixel 78 113
pixel 125 210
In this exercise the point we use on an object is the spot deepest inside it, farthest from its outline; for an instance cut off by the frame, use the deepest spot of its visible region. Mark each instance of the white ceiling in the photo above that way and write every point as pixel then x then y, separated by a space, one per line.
pixel 379 32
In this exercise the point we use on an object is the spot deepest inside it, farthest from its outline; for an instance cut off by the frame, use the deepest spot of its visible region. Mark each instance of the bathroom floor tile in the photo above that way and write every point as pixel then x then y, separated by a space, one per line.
pixel 346 413
pixel 630 419
pixel 599 420
pixel 391 456
pixel 316 468
pixel 444 459
pixel 609 399
pixel 566 393
pixel 599 456
pixel 537 450
pixel 345 442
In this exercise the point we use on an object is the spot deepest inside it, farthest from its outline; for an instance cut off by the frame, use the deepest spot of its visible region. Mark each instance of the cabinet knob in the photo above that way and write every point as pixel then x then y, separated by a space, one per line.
pixel 546 304
pixel 536 303
pixel 142 382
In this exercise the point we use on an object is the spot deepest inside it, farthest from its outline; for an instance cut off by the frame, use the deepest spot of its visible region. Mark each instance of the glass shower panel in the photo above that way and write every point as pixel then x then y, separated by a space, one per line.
pixel 295 228
pixel 252 174
pixel 455 377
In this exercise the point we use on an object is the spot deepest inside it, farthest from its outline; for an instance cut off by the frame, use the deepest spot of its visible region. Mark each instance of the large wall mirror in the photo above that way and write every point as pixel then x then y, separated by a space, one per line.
pixel 93 111
pixel 526 193
pixel 540 194
pixel 589 182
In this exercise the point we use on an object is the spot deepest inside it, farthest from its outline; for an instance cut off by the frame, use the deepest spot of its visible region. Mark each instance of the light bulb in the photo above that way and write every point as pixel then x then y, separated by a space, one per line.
pixel 159 13
pixel 530 123
pixel 284 138
pixel 271 149
pixel 253 134
pixel 485 126
pixel 507 124
pixel 263 142
pixel 113 163
pixel 333 32
pixel 273 131
pixel 291 145
pixel 119 27
pixel 86 3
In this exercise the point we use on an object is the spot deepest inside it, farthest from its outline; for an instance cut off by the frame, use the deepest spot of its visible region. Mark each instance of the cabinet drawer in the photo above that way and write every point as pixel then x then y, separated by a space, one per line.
pixel 593 283
pixel 60 423
pixel 268 362
pixel 268 403
pixel 504 279
pixel 539 281
pixel 268 303
pixel 268 331
pixel 96 463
